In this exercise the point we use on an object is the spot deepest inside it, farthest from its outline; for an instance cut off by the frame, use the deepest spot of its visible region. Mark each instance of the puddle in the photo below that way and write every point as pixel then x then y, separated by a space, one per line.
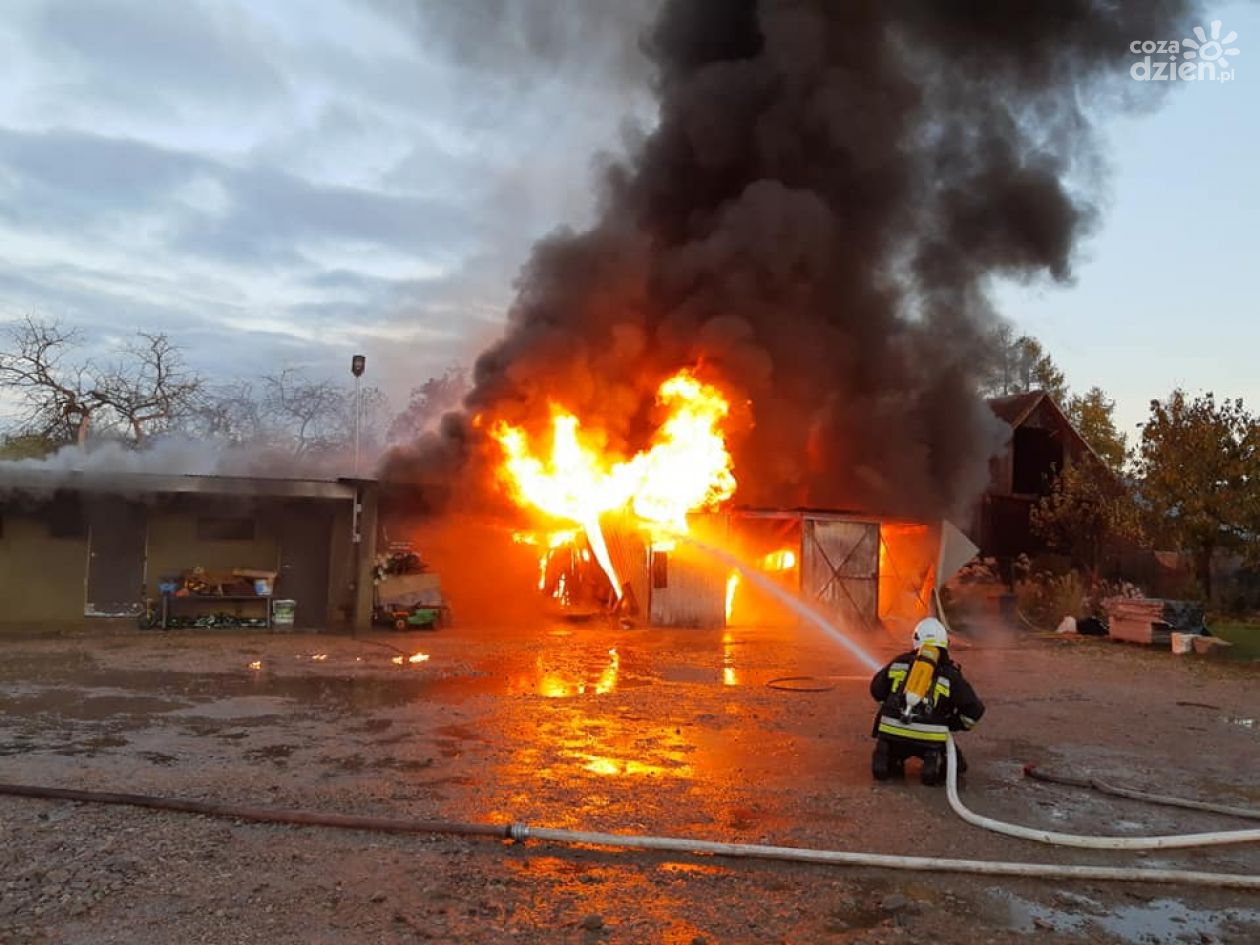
pixel 73 690
pixel 561 674
pixel 99 694
pixel 689 674
pixel 608 766
pixel 1157 920
pixel 243 707
pixel 87 707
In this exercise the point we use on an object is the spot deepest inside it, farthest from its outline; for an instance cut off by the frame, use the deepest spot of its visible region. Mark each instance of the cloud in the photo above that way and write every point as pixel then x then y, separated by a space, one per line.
pixel 274 184
pixel 170 50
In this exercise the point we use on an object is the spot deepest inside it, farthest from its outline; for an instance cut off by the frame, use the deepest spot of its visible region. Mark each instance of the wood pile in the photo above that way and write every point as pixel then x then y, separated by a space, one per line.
pixel 1152 620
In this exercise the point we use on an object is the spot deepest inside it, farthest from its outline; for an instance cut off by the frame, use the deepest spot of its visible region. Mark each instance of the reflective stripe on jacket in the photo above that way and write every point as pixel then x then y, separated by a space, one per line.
pixel 918 731
pixel 951 705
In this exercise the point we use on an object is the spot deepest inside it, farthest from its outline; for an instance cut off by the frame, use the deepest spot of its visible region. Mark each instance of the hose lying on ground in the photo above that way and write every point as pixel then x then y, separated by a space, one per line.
pixel 1169 842
pixel 266 815
pixel 522 832
pixel 1067 839
pixel 1034 772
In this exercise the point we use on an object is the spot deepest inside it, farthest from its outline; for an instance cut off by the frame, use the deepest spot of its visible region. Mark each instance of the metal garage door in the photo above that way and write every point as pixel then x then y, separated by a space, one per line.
pixel 840 570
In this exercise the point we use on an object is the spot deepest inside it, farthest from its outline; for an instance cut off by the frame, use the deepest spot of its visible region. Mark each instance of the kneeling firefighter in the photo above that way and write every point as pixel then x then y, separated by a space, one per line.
pixel 923 697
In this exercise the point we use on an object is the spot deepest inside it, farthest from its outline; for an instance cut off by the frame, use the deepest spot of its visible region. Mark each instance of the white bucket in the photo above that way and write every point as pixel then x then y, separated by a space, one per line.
pixel 1182 642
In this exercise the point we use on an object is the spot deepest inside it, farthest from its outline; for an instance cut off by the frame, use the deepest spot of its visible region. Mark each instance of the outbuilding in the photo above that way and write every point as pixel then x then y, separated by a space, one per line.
pixel 84 548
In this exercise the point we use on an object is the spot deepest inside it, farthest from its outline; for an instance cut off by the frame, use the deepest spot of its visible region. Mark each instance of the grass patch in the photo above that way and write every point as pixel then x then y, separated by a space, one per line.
pixel 1244 634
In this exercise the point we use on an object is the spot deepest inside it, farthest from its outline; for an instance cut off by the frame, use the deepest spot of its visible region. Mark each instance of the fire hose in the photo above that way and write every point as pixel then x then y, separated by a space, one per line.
pixel 1034 772
pixel 1166 842
pixel 522 832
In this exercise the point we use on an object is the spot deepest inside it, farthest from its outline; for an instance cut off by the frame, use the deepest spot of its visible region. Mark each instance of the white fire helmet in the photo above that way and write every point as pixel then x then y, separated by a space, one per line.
pixel 932 632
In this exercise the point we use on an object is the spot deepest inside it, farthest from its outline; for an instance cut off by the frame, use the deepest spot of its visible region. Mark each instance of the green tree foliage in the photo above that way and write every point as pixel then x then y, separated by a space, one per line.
pixel 1039 372
pixel 1199 470
pixel 26 446
pixel 1093 415
pixel 1088 509
pixel 1021 364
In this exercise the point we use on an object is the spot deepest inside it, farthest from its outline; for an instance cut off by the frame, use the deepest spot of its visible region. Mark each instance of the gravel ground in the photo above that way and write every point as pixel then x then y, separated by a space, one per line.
pixel 591 727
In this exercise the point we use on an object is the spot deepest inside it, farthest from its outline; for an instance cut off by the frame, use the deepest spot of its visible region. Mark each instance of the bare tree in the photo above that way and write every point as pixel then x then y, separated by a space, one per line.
pixel 60 400
pixel 146 390
pixel 150 389
pixel 291 413
pixel 231 413
pixel 303 414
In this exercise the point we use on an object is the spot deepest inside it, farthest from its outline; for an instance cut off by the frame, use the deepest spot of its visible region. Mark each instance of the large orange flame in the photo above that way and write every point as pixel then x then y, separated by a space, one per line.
pixel 687 468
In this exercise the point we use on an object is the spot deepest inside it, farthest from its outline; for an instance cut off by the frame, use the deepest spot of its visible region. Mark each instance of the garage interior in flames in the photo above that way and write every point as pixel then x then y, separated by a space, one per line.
pixel 656 537
pixel 858 572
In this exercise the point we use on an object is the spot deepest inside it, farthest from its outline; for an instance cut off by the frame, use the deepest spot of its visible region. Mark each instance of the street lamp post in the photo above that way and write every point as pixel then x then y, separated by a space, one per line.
pixel 357 364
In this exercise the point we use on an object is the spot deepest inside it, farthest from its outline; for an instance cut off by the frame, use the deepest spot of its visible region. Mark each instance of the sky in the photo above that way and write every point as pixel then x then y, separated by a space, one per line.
pixel 280 184
pixel 1166 292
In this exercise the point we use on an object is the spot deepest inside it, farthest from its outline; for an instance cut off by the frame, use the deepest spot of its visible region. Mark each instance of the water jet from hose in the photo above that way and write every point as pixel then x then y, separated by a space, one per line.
pixel 787 598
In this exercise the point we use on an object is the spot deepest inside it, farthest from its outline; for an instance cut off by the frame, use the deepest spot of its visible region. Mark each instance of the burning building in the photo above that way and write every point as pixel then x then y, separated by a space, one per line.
pixel 783 301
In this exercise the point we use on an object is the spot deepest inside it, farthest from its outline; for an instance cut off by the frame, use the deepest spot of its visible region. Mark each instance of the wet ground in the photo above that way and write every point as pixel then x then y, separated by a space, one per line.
pixel 747 735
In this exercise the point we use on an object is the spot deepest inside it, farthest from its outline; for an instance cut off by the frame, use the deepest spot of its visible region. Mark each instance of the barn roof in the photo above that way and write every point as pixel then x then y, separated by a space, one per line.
pixel 1016 408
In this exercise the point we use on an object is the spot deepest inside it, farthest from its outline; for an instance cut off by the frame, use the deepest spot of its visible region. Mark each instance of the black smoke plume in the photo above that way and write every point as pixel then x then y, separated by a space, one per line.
pixel 815 221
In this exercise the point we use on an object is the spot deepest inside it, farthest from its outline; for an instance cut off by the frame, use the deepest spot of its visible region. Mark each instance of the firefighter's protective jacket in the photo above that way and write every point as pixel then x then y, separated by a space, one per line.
pixel 951 706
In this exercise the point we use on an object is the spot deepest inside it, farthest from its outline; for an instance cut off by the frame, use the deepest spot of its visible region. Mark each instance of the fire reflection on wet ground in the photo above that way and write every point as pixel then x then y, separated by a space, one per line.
pixel 577 726
pixel 608 729
pixel 589 889
pixel 590 727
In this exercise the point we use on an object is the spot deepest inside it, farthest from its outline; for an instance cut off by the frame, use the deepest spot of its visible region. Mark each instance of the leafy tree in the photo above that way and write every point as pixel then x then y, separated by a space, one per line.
pixel 26 446
pixel 428 402
pixel 1200 476
pixel 1021 364
pixel 1093 415
pixel 1089 508
pixel 1038 370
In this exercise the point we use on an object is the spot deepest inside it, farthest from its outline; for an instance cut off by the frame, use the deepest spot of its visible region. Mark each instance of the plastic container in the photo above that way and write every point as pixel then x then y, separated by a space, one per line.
pixel 283 612
pixel 262 587
pixel 1182 642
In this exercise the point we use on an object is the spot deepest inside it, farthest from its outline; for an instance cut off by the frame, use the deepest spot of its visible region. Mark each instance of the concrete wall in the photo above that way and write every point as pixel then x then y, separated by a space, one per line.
pixel 41 578
pixel 173 546
pixel 343 571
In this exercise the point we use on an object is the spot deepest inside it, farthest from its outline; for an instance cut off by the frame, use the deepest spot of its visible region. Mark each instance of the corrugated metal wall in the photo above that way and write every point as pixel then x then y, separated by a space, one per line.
pixel 840 569
pixel 629 556
pixel 686 592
